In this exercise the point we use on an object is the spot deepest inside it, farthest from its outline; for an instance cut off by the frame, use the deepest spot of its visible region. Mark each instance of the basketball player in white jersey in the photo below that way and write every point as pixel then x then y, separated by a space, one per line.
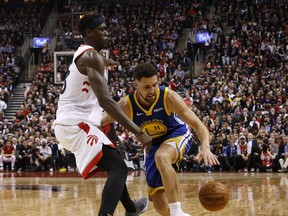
pixel 85 93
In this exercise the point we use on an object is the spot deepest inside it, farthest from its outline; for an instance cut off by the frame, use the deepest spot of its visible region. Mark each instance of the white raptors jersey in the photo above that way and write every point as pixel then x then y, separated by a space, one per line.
pixel 78 103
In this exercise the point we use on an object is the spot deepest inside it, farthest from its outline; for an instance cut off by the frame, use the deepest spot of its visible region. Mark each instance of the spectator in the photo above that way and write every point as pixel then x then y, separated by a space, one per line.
pixel 7 155
pixel 283 154
pixel 267 158
pixel 58 155
pixel 218 151
pixel 180 73
pixel 34 161
pixel 230 151
pixel 133 155
pixel 45 156
pixel 3 107
pixel 256 147
pixel 243 152
pixel 175 83
pixel 24 154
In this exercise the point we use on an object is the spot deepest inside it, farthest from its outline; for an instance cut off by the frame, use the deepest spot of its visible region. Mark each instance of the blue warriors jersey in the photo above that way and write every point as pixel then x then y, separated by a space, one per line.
pixel 162 126
pixel 157 121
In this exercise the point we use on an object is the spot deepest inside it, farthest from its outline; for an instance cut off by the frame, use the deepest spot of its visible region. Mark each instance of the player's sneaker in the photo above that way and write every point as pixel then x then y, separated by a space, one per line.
pixel 141 206
pixel 184 214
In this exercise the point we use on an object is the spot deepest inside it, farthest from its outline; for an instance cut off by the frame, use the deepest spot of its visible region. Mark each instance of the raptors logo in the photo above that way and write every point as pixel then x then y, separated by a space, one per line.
pixel 92 139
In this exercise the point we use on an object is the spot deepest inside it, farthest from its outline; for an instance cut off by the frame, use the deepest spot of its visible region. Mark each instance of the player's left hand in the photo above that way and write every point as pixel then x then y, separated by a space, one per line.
pixel 207 156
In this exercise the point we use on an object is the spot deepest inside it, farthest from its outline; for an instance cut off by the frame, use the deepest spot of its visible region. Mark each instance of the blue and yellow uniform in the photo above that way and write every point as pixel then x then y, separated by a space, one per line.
pixel 162 126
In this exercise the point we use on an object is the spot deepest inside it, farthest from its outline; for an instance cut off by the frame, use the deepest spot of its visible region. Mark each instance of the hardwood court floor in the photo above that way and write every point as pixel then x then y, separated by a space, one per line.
pixel 45 194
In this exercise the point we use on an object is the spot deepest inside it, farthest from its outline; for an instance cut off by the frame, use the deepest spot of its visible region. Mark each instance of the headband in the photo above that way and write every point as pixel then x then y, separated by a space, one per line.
pixel 96 22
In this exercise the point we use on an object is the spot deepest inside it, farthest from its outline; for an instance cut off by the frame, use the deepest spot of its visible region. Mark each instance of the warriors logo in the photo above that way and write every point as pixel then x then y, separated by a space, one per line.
pixel 155 129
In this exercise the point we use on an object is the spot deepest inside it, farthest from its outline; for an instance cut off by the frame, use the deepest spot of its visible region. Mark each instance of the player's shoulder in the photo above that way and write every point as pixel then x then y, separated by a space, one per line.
pixel 170 93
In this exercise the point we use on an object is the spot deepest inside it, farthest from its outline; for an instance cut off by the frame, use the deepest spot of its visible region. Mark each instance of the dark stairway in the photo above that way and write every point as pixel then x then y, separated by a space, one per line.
pixel 16 101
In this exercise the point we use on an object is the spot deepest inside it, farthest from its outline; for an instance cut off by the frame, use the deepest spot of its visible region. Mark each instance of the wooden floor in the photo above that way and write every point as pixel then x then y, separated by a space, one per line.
pixel 67 194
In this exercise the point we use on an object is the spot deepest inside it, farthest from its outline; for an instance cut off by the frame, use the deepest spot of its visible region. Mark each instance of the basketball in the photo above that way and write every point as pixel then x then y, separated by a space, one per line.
pixel 214 196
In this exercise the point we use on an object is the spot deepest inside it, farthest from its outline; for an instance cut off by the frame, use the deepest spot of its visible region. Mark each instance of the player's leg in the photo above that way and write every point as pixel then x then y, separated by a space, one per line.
pixel 131 208
pixel 115 188
pixel 160 202
pixel 117 174
pixel 165 156
pixel 170 152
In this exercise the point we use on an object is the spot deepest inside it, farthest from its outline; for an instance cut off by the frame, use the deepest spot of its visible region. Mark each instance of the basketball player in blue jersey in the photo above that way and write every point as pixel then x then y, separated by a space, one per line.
pixel 162 114
pixel 84 96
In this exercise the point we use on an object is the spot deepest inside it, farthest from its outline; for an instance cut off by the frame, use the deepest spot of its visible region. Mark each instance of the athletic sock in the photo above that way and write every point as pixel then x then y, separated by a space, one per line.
pixel 175 209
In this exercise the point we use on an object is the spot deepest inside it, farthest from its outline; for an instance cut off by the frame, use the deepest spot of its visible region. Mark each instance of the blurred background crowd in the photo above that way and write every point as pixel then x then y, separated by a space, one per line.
pixel 235 79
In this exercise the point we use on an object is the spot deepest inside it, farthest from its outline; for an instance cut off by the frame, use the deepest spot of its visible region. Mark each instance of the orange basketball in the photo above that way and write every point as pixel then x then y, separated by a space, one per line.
pixel 214 196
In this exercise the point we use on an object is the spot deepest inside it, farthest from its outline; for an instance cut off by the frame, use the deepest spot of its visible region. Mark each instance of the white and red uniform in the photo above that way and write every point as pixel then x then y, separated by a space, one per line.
pixel 5 159
pixel 268 160
pixel 78 117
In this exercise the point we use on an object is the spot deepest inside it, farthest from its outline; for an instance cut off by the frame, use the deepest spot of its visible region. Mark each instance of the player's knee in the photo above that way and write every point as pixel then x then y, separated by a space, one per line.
pixel 119 172
pixel 161 160
pixel 122 167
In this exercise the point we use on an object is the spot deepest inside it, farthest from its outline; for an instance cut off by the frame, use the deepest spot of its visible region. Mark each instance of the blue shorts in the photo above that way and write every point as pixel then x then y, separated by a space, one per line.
pixel 153 177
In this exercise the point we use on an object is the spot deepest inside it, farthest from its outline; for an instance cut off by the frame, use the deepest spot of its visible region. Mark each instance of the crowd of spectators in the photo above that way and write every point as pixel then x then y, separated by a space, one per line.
pixel 240 95
pixel 18 21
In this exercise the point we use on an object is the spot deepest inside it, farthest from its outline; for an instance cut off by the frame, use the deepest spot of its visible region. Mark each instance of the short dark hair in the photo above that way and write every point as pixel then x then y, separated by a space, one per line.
pixel 144 70
pixel 89 21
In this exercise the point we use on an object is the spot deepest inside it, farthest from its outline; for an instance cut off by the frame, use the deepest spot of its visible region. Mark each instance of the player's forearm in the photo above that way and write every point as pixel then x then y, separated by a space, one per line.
pixel 203 135
pixel 116 113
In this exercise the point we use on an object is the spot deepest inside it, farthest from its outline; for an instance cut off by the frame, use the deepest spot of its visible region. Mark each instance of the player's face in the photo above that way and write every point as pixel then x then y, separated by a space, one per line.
pixel 101 35
pixel 147 89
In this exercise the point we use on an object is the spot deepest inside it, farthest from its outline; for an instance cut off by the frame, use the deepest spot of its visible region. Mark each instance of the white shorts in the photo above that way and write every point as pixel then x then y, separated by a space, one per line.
pixel 85 141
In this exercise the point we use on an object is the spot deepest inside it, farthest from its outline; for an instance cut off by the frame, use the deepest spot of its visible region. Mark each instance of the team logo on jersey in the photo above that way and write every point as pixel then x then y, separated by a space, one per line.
pixel 92 139
pixel 155 129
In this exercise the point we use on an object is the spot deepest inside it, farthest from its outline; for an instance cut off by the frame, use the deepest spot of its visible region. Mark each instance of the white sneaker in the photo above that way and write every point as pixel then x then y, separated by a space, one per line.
pixel 184 214
pixel 51 170
pixel 1 168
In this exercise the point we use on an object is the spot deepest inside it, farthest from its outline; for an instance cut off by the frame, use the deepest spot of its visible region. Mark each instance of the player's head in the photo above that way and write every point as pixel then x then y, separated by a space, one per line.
pixel 144 70
pixel 94 30
pixel 146 82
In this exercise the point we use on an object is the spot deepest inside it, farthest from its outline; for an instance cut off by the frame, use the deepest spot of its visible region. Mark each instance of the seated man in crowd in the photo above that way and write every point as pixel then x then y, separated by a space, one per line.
pixel 58 154
pixel 24 154
pixel 133 155
pixel 283 154
pixel 34 161
pixel 7 155
pixel 45 156
pixel 243 152
pixel 230 151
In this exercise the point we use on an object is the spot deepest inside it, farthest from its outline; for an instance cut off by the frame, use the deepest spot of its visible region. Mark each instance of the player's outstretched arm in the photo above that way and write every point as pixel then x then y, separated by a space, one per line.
pixel 176 104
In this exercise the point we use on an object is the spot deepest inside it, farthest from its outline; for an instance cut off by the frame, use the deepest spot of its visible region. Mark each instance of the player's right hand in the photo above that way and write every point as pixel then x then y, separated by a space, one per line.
pixel 146 141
